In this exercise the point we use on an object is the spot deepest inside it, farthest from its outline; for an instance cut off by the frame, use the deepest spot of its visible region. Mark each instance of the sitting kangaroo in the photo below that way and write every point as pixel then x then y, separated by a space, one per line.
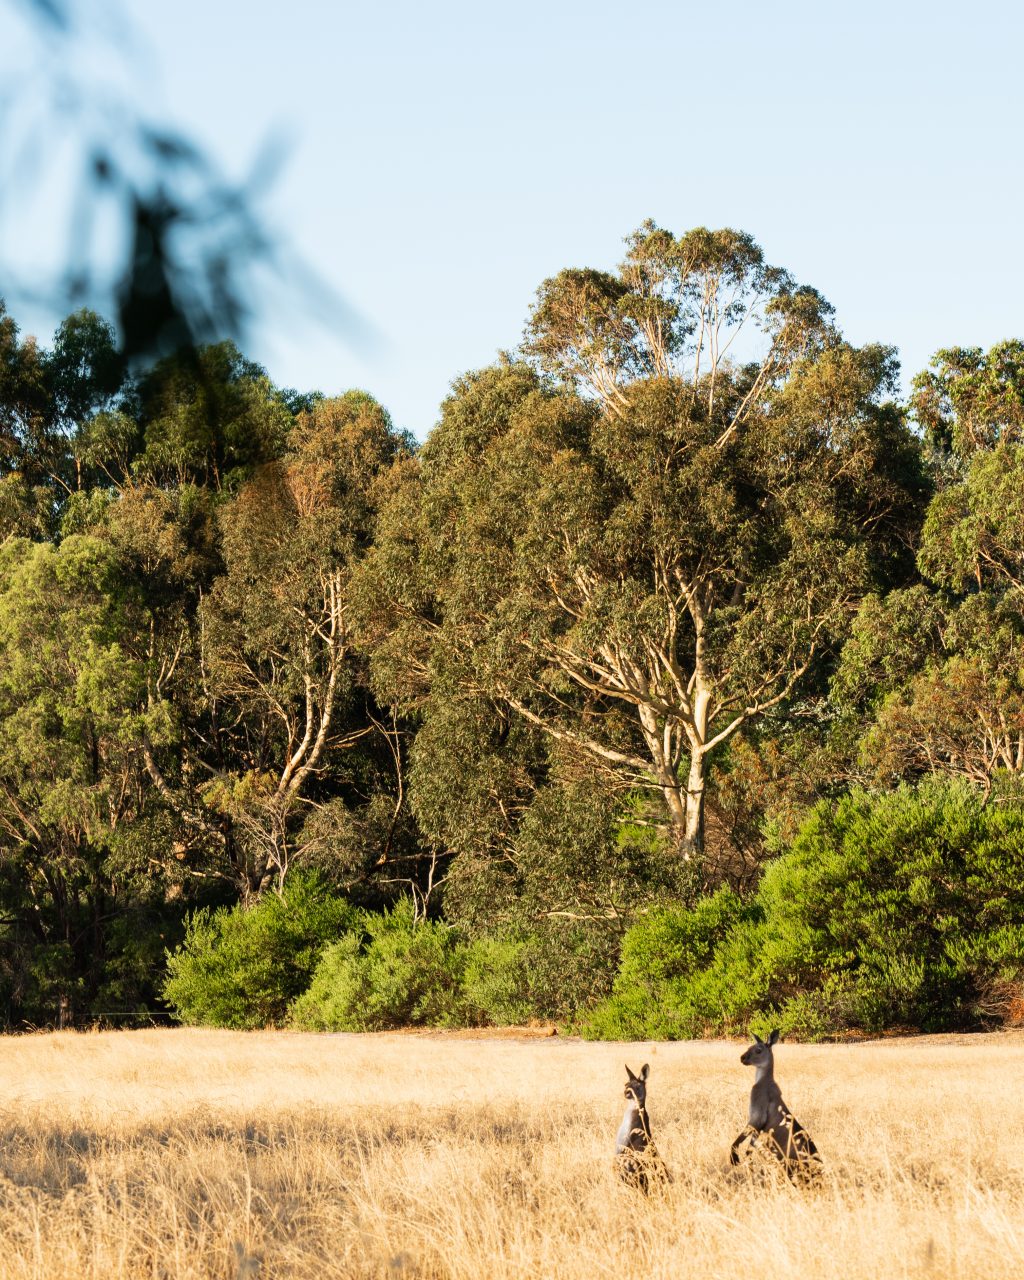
pixel 770 1118
pixel 636 1158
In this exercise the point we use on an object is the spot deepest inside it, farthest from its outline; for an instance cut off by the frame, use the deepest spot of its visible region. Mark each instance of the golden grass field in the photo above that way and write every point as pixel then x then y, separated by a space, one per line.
pixel 183 1153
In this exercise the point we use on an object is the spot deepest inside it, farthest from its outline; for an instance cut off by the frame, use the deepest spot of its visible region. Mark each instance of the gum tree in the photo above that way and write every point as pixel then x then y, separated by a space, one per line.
pixel 635 540
pixel 280 673
pixel 934 671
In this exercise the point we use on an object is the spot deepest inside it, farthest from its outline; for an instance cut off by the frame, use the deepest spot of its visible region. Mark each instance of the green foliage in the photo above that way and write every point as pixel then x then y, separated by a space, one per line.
pixel 71 892
pixel 282 675
pixel 242 966
pixel 970 400
pixel 210 417
pixel 541 573
pixel 667 948
pixel 557 906
pixel 930 679
pixel 903 909
pixel 499 982
pixel 396 971
pixel 556 971
pixel 587 628
pixel 84 369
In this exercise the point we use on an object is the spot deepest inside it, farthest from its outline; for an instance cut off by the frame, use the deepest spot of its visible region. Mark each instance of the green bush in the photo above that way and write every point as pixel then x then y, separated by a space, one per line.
pixel 497 980
pixel 661 954
pixel 242 966
pixel 554 972
pixel 903 909
pixel 906 907
pixel 395 971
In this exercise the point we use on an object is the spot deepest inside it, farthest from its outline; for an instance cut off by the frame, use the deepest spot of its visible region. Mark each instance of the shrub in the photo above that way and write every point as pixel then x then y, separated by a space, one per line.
pixel 242 966
pixel 497 980
pixel 549 919
pixel 906 906
pixel 660 954
pixel 394 971
pixel 904 909
pixel 554 972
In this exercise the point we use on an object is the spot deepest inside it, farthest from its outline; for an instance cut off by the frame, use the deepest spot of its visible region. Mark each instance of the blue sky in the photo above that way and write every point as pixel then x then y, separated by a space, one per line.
pixel 444 158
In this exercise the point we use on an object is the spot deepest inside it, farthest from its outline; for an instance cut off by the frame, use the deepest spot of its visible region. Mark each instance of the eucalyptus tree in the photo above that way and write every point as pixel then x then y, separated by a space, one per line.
pixel 636 541
pixel 82 892
pixel 25 504
pixel 969 399
pixel 208 416
pixel 46 397
pixel 22 394
pixel 935 670
pixel 279 672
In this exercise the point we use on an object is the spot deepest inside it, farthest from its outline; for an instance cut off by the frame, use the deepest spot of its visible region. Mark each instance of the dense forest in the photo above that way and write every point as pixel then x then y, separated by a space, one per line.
pixel 672 685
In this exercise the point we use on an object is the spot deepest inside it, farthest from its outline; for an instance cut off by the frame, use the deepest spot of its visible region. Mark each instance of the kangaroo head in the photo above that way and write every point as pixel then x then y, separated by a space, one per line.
pixel 636 1086
pixel 760 1051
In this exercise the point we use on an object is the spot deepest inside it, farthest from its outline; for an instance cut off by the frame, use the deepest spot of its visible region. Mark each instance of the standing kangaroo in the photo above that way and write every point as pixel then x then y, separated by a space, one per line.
pixel 771 1120
pixel 636 1158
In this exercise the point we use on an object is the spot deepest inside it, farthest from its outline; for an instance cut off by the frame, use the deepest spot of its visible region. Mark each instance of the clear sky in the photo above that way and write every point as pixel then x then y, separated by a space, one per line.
pixel 446 157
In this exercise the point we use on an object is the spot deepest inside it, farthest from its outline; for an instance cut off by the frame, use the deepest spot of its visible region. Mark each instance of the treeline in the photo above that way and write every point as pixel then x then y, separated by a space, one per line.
pixel 672 685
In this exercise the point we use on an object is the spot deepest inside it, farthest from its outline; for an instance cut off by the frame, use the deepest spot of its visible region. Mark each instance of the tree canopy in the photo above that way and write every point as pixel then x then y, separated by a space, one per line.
pixel 637 544
pixel 669 590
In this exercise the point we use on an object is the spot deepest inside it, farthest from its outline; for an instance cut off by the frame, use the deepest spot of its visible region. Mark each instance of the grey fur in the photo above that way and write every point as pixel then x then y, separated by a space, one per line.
pixel 770 1122
pixel 636 1158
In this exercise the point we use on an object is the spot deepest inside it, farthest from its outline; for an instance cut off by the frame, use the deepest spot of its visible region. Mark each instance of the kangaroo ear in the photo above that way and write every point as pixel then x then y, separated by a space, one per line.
pixel 773 1038
pixel 644 1070
pixel 758 1038
pixel 629 1073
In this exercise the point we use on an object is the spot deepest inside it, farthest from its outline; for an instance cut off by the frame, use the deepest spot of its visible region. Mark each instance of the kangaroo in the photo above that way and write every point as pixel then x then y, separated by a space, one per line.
pixel 771 1120
pixel 636 1158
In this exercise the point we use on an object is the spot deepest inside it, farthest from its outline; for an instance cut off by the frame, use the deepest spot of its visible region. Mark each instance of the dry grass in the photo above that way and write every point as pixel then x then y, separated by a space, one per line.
pixel 195 1154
